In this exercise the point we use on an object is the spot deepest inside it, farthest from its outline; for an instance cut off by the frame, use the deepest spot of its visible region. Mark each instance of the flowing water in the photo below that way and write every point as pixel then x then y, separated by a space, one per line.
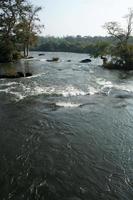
pixel 66 133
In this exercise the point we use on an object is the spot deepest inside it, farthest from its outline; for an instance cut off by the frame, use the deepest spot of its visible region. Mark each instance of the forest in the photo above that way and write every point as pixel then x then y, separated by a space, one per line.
pixel 79 44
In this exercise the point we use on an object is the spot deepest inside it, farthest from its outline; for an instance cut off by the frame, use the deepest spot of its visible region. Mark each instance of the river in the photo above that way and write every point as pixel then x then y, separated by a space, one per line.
pixel 66 133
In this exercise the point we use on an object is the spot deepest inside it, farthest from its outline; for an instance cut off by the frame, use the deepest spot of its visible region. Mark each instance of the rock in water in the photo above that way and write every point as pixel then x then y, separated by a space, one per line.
pixel 30 57
pixel 41 54
pixel 55 59
pixel 85 61
pixel 20 74
pixel 28 74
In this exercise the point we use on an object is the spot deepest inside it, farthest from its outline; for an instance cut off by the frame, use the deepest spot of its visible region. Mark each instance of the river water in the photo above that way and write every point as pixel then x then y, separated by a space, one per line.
pixel 66 133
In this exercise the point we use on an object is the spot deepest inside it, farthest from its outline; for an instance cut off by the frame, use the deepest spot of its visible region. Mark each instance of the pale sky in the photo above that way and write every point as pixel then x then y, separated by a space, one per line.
pixel 80 17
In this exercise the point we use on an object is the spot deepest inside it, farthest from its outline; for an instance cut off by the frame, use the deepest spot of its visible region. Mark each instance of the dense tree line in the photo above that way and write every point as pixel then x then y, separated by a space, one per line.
pixel 77 44
pixel 95 46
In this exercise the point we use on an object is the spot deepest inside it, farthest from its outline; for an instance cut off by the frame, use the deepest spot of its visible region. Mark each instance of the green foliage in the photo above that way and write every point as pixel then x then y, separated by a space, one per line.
pixel 16 55
pixel 101 48
pixel 18 29
pixel 6 48
pixel 95 46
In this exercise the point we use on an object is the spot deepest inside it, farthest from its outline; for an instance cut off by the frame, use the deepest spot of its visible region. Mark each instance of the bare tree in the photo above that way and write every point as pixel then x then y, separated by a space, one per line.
pixel 114 28
pixel 122 50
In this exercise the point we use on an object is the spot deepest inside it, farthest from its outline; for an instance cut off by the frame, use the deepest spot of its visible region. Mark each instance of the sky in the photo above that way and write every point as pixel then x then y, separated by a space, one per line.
pixel 80 17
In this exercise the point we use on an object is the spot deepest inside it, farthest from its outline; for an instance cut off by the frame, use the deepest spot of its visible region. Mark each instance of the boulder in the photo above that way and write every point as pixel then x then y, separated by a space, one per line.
pixel 28 74
pixel 85 60
pixel 41 54
pixel 54 59
pixel 20 74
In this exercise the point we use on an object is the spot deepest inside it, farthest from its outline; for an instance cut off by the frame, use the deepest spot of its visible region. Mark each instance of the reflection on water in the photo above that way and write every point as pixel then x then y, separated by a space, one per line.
pixel 7 68
pixel 66 133
pixel 11 69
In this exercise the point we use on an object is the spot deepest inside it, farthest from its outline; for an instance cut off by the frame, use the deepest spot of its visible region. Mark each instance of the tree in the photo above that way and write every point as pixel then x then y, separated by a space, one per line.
pixel 9 16
pixel 27 28
pixel 122 51
pixel 17 27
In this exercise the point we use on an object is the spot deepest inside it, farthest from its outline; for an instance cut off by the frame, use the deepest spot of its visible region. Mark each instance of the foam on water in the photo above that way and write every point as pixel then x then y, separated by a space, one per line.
pixel 104 84
pixel 4 90
pixel 43 59
pixel 71 91
pixel 92 90
pixel 18 96
pixel 9 83
pixel 21 91
pixel 67 104
pixel 36 75
pixel 56 90
pixel 125 87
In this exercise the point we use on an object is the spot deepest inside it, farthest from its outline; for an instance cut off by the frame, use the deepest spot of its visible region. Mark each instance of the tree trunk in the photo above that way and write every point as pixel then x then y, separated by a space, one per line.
pixel 27 49
pixel 24 50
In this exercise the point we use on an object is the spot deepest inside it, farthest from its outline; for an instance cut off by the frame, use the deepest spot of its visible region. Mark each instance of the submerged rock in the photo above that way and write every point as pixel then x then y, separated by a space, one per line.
pixel 54 59
pixel 30 57
pixel 85 60
pixel 41 54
